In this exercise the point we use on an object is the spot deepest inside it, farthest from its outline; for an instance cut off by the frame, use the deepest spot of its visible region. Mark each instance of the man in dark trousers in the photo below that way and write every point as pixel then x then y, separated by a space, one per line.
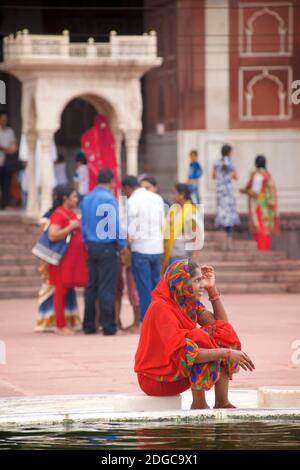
pixel 102 234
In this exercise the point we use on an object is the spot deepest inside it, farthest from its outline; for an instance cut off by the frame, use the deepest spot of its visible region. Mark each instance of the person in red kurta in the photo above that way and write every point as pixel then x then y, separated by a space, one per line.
pixel 98 144
pixel 183 345
pixel 72 270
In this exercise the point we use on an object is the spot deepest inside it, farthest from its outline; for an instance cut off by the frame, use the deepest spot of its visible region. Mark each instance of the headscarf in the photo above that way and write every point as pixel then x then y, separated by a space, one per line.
pixel 179 282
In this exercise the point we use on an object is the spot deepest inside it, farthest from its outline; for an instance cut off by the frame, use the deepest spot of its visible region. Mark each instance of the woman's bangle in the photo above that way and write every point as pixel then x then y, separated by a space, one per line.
pixel 215 296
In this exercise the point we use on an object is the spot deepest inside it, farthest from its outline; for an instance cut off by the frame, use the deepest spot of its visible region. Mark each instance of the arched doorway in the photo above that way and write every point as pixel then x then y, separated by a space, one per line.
pixel 77 117
pixel 112 69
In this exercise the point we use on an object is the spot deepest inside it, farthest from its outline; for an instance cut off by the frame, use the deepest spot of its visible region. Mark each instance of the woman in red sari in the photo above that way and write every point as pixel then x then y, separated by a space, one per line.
pixel 262 205
pixel 98 143
pixel 72 270
pixel 183 345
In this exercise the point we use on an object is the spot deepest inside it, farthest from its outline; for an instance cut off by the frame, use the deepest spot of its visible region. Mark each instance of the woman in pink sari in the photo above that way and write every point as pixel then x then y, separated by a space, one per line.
pixel 98 143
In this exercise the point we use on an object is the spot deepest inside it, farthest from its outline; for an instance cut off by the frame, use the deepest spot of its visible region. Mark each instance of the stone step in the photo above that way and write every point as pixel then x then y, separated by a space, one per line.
pixel 25 292
pixel 139 401
pixel 19 271
pixel 22 241
pixel 258 276
pixel 260 271
pixel 257 288
pixel 24 260
pixel 14 229
pixel 30 270
pixel 231 277
pixel 279 397
pixel 230 256
pixel 20 292
pixel 210 257
pixel 259 265
pixel 22 248
pixel 33 281
pixel 225 288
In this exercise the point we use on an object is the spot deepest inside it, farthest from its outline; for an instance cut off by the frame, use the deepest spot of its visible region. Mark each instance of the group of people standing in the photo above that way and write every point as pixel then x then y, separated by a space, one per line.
pixel 107 249
pixel 261 191
pixel 103 252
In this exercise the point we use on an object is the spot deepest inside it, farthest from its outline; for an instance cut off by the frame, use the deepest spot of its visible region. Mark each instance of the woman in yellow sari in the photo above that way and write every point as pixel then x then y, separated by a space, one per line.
pixel 183 235
pixel 262 204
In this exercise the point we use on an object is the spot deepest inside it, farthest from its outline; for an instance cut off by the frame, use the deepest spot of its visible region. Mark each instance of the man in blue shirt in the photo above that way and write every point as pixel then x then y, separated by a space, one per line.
pixel 195 173
pixel 103 237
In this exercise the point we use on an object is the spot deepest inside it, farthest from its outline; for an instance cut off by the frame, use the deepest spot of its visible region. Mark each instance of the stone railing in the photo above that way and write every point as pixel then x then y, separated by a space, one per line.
pixel 25 46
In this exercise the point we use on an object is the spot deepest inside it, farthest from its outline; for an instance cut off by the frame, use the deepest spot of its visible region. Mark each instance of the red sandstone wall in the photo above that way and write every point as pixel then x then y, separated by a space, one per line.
pixel 263 63
pixel 175 92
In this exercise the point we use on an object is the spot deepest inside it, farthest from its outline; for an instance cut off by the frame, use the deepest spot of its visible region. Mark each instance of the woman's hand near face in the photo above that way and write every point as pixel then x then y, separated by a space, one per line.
pixel 208 277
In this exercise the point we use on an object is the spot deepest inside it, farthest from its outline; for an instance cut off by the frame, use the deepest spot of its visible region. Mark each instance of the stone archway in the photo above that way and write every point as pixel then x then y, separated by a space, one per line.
pixel 54 71
pixel 114 101
pixel 77 117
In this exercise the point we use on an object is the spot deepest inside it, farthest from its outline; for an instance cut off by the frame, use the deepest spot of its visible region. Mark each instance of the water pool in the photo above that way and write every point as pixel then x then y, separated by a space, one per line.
pixel 246 435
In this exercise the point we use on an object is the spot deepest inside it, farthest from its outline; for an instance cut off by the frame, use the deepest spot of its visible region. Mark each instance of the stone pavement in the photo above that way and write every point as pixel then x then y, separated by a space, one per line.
pixel 48 364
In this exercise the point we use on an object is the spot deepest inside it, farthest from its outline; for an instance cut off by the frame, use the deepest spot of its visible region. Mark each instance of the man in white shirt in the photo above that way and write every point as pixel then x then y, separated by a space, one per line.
pixel 8 146
pixel 145 218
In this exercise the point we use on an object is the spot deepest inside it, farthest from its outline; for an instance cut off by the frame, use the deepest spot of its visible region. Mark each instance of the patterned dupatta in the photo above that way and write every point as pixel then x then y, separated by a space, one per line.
pixel 179 282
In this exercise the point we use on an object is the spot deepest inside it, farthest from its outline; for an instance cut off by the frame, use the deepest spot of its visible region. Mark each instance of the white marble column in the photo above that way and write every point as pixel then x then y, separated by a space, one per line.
pixel 217 81
pixel 132 141
pixel 217 64
pixel 32 205
pixel 47 171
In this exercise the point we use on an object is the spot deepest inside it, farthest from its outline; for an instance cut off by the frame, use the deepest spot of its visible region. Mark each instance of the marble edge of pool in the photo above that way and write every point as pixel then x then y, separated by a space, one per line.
pixel 180 417
pixel 68 409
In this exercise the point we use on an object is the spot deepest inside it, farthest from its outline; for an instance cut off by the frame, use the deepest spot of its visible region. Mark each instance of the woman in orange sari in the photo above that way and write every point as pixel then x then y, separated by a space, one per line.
pixel 183 345
pixel 262 205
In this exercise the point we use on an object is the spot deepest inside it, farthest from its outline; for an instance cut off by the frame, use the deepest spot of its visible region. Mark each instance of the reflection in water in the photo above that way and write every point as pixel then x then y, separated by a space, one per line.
pixel 157 436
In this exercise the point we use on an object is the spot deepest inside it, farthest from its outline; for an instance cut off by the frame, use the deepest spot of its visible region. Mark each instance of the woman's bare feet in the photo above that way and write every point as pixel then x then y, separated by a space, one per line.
pixel 202 406
pixel 66 331
pixel 224 405
pixel 199 401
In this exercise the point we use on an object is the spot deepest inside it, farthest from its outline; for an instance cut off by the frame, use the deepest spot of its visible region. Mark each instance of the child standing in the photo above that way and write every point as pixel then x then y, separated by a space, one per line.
pixel 195 173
